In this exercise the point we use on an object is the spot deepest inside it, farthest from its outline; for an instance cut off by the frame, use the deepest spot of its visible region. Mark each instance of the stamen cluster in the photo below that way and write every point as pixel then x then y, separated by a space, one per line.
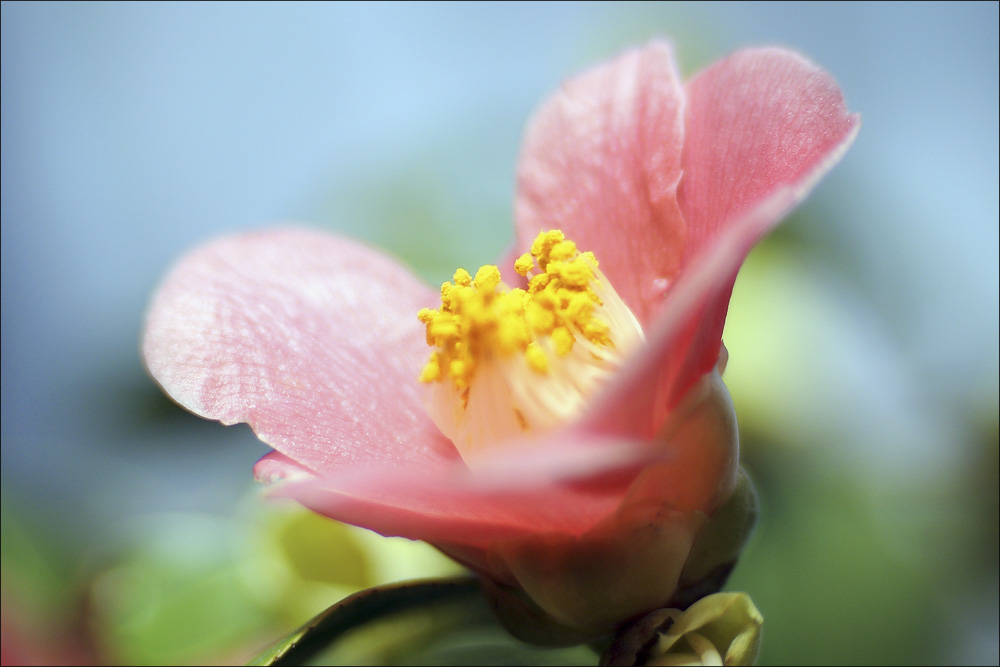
pixel 480 318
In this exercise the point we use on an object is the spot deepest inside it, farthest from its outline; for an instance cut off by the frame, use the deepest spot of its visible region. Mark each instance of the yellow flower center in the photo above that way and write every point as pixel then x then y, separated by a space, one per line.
pixel 511 362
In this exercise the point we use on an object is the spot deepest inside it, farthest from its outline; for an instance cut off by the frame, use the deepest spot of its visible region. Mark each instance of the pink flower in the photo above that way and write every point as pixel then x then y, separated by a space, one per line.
pixel 594 507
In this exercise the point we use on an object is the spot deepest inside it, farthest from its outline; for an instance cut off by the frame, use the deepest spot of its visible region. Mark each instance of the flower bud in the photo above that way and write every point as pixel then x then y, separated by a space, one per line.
pixel 721 629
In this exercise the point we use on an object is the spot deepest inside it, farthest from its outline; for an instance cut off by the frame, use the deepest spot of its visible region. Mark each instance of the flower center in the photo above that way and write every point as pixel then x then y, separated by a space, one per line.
pixel 511 362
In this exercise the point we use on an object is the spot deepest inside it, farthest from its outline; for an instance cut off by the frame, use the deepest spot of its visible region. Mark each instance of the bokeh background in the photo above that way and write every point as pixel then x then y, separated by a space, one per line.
pixel 863 334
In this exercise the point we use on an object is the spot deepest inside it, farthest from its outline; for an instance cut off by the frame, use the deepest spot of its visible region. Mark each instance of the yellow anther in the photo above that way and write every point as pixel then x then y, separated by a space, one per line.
pixel 487 278
pixel 536 358
pixel 432 370
pixel 444 327
pixel 543 243
pixel 576 273
pixel 562 251
pixel 524 264
pixel 578 306
pixel 462 278
pixel 513 336
pixel 564 341
pixel 540 318
pixel 459 370
pixel 597 332
pixel 539 282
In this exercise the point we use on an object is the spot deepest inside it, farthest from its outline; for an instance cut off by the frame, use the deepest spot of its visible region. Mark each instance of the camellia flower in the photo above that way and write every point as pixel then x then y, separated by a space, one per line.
pixel 557 423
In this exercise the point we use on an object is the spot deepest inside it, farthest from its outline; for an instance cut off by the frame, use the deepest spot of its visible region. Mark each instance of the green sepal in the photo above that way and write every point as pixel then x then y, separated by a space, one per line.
pixel 718 546
pixel 308 641
pixel 526 621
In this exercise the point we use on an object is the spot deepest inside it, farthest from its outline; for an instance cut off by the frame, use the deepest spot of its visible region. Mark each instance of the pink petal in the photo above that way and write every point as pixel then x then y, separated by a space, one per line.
pixel 684 342
pixel 565 485
pixel 311 339
pixel 601 161
pixel 763 127
pixel 757 121
pixel 692 422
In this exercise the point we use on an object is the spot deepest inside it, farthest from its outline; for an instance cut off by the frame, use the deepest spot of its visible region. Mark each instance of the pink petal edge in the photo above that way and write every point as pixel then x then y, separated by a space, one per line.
pixel 311 339
pixel 275 467
pixel 566 485
pixel 607 147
